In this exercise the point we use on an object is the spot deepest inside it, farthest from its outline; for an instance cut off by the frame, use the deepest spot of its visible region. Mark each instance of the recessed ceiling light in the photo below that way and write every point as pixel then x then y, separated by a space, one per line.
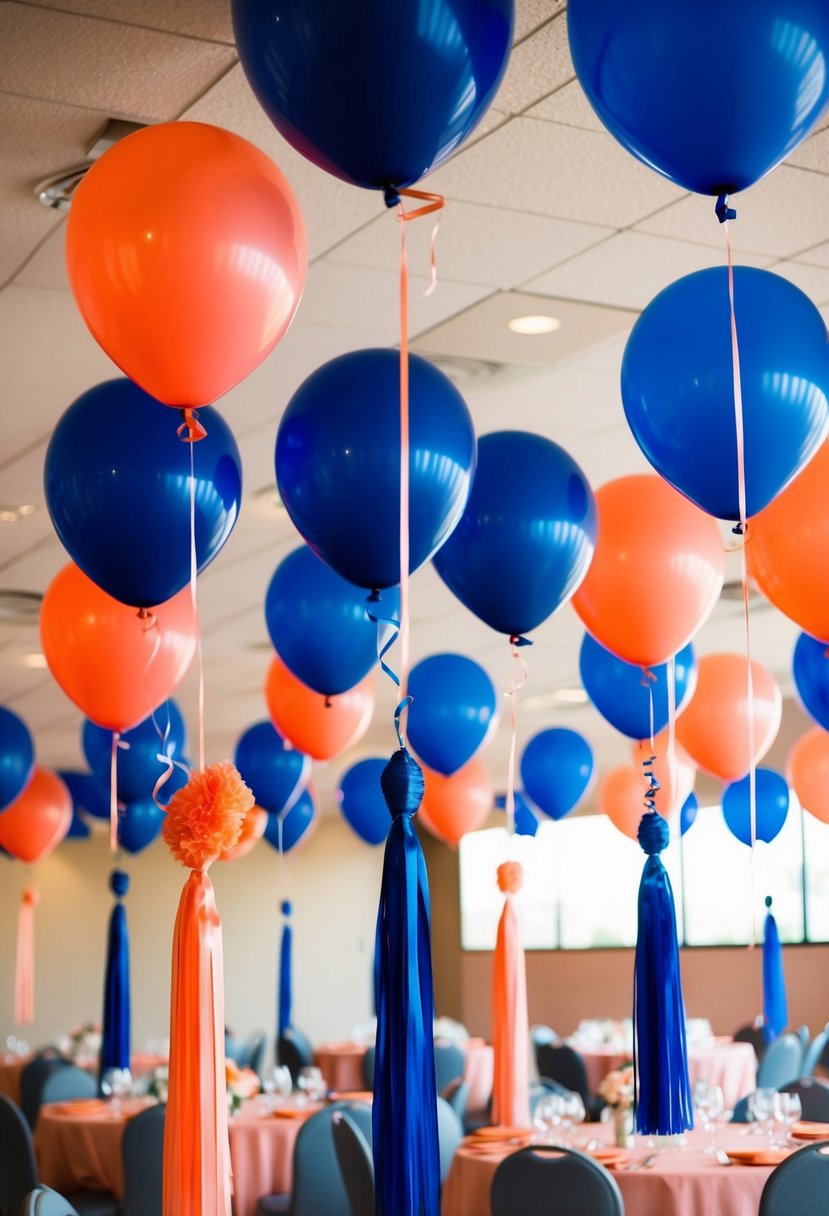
pixel 533 324
pixel 36 659
pixel 8 517
pixel 561 696
pixel 26 509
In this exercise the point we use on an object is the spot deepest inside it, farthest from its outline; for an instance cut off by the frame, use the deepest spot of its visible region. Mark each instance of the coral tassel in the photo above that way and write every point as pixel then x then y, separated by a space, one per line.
pixel 24 975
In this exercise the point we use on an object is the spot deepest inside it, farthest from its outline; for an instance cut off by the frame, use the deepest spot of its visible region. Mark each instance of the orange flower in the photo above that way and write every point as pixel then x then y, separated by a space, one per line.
pixel 206 816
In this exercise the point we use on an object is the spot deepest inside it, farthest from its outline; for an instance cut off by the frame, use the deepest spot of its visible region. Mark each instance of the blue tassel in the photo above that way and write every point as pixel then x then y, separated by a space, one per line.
pixel 285 995
pixel 115 1039
pixel 406 1157
pixel 775 1005
pixel 663 1091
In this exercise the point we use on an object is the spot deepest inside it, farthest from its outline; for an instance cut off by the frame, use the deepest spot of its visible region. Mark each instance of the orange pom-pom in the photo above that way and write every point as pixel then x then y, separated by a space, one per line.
pixel 206 816
pixel 31 896
pixel 510 877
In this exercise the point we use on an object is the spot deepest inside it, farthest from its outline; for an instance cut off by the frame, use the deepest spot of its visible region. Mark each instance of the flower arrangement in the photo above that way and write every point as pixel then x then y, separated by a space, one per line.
pixel 241 1083
pixel 617 1088
pixel 159 1082
pixel 84 1041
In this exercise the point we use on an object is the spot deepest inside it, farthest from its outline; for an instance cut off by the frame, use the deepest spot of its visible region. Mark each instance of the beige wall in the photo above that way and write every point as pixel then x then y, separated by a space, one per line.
pixel 334 883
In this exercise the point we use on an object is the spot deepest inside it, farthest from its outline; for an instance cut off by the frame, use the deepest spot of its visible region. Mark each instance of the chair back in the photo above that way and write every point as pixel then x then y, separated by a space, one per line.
pixel 67 1083
pixel 561 1062
pixel 781 1063
pixel 547 1181
pixel 232 1047
pixel 368 1068
pixel 18 1168
pixel 753 1034
pixel 294 1051
pixel 356 1164
pixel 450 1063
pixel 816 1052
pixel 540 1036
pixel 45 1202
pixel 740 1113
pixel 799 1186
pixel 457 1095
pixel 814 1099
pixel 31 1083
pixel 252 1052
pixel 450 1134
pixel 543 1089
pixel 142 1150
pixel 319 1188
pixel 804 1034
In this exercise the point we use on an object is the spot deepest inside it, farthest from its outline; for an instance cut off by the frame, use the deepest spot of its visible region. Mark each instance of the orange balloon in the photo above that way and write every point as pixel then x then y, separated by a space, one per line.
pixel 622 798
pixel 39 818
pixel 714 727
pixel 674 787
pixel 115 666
pixel 453 806
pixel 319 727
pixel 186 253
pixel 807 771
pixel 787 548
pixel 656 573
pixel 253 829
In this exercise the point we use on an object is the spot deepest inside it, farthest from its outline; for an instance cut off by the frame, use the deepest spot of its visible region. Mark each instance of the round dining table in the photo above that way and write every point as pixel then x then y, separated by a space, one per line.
pixel 685 1181
pixel 11 1068
pixel 733 1066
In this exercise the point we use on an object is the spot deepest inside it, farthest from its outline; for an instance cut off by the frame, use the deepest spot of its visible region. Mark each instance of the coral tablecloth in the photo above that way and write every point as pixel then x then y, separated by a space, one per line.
pixel 726 1063
pixel 683 1183
pixel 10 1069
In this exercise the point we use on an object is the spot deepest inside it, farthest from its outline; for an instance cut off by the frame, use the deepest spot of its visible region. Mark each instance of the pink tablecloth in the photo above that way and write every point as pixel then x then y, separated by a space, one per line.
pixel 683 1183
pixel 262 1155
pixel 726 1063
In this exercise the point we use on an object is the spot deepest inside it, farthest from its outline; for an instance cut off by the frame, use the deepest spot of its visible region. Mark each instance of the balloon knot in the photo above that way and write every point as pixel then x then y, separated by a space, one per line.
pixel 648 677
pixel 516 639
pixel 391 197
pixel 510 877
pixel 724 212
pixel 374 598
pixel 286 908
pixel 191 430
pixel 739 530
pixel 654 835
pixel 402 783
pixel 119 883
pixel 768 901
pixel 328 702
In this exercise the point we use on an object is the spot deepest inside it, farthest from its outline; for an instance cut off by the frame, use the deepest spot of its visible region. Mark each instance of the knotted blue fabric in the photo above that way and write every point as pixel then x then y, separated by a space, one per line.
pixel 775 1004
pixel 285 995
pixel 663 1091
pixel 115 1037
pixel 404 1113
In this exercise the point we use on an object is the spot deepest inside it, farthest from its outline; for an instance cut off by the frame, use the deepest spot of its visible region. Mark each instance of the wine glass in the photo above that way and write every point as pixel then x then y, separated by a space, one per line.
pixel 548 1116
pixel 709 1101
pixel 311 1083
pixel 574 1114
pixel 787 1110
pixel 282 1081
pixel 116 1084
pixel 761 1106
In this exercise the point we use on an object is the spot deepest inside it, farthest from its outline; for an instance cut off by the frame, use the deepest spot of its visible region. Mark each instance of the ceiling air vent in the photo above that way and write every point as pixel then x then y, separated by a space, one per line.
pixel 20 607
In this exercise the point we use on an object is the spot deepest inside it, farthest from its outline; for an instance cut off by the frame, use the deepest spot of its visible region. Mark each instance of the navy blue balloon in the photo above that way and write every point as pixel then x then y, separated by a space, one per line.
pixel 362 803
pixel 17 757
pixel 678 389
pixel 79 829
pixel 810 667
pixel 688 814
pixel 338 463
pixel 772 798
pixel 527 535
pixel 556 770
pixel 319 623
pixel 271 768
pixel 138 765
pixel 526 821
pixel 376 93
pixel 453 710
pixel 295 824
pixel 711 95
pixel 621 693
pixel 88 793
pixel 139 824
pixel 117 481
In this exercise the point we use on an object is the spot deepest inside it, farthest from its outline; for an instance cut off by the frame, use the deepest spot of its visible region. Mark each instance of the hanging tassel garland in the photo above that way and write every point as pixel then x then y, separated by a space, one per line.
pixel 115 1039
pixel 663 1091
pixel 404 1114
pixel 775 1004
pixel 24 972
pixel 203 819
pixel 285 994
pixel 510 1023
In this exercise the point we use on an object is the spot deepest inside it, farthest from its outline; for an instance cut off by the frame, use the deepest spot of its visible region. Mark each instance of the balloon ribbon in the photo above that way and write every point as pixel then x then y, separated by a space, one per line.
pixel 510 1023
pixel 24 971
pixel 519 679
pixel 115 1038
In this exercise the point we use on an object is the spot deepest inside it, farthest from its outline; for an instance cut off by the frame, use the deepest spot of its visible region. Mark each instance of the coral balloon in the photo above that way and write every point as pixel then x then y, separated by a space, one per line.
pixel 674 786
pixel 253 829
pixel 656 574
pixel 453 806
pixel 807 770
pixel 714 727
pixel 186 253
pixel 321 727
pixel 37 821
pixel 622 798
pixel 105 657
pixel 788 548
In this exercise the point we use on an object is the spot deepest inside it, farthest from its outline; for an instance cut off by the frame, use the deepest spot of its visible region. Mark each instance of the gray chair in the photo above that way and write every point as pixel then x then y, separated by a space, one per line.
pixel 368 1068
pixel 142 1151
pixel 232 1047
pixel 319 1189
pixel 18 1168
pixel 45 1202
pixel 800 1185
pixel 548 1181
pixel 541 1036
pixel 781 1062
pixel 741 1113
pixel 816 1051
pixel 562 1063
pixel 805 1036
pixel 814 1100
pixel 457 1095
pixel 294 1051
pixel 252 1052
pixel 67 1083
pixel 32 1079
pixel 356 1164
pixel 450 1134
pixel 450 1063
pixel 752 1033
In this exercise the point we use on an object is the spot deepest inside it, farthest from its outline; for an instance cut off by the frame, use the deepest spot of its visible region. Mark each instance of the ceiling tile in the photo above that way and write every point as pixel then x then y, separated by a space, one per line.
pixel 123 70
pixel 784 213
pixel 814 280
pixel 537 65
pixel 817 256
pixel 547 169
pixel 47 266
pixel 569 106
pixel 476 244
pixel 813 154
pixel 208 19
pixel 628 270
pixel 529 14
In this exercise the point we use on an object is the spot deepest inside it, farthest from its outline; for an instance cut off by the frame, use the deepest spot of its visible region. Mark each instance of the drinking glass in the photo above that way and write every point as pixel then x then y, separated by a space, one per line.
pixel 761 1106
pixel 311 1083
pixel 574 1114
pixel 116 1084
pixel 282 1081
pixel 548 1117
pixel 787 1110
pixel 709 1102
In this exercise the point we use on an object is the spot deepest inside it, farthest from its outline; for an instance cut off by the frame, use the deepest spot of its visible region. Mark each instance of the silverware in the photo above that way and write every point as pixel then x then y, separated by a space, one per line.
pixel 645 1163
pixel 723 1158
